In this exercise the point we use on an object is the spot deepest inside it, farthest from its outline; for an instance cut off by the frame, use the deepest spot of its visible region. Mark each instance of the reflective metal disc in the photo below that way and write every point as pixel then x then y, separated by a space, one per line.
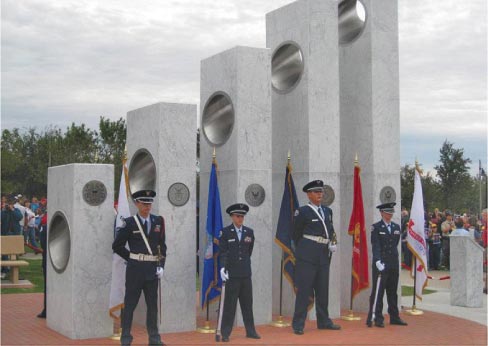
pixel 218 118
pixel 286 67
pixel 59 242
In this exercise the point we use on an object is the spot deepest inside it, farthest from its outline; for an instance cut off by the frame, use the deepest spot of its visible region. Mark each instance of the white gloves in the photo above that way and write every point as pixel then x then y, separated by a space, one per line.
pixel 224 274
pixel 332 247
pixel 380 266
pixel 159 272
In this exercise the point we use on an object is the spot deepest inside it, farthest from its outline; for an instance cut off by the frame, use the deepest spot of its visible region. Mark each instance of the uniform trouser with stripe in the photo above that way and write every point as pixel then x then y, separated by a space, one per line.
pixel 311 280
pixel 388 283
pixel 238 289
pixel 133 289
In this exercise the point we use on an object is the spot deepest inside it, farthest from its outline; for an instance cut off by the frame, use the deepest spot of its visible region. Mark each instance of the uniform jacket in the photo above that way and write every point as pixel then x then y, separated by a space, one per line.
pixel 384 244
pixel 129 233
pixel 10 222
pixel 235 255
pixel 307 222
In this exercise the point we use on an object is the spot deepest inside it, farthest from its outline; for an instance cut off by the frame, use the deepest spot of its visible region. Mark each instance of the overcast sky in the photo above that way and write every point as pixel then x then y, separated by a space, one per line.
pixel 76 60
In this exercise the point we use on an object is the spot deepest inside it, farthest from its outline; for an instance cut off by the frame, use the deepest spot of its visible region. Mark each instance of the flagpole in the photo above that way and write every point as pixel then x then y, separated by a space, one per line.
pixel 350 316
pixel 280 322
pixel 206 329
pixel 414 311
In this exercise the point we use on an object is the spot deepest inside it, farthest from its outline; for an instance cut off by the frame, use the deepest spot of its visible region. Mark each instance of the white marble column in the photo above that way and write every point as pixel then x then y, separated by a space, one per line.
pixel 369 124
pixel 79 258
pixel 240 78
pixel 305 118
pixel 166 132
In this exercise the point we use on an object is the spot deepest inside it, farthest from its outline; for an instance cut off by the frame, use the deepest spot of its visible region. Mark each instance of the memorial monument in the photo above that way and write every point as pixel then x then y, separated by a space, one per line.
pixel 79 253
pixel 236 120
pixel 161 146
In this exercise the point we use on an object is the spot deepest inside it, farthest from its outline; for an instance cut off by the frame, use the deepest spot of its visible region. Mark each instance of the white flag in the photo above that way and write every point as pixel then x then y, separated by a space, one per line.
pixel 416 236
pixel 117 287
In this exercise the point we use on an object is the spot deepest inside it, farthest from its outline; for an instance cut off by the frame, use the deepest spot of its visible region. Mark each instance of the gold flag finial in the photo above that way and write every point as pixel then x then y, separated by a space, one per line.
pixel 214 155
pixel 124 157
pixel 356 160
pixel 289 156
pixel 417 166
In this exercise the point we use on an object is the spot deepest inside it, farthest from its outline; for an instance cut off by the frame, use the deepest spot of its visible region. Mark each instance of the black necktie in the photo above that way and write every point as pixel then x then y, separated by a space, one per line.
pixel 144 226
pixel 321 213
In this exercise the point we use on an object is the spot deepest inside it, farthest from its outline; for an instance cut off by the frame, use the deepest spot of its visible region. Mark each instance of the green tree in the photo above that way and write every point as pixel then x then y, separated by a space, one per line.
pixel 456 185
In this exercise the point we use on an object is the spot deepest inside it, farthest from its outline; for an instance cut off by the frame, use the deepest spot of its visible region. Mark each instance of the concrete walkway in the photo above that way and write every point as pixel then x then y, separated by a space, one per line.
pixel 440 301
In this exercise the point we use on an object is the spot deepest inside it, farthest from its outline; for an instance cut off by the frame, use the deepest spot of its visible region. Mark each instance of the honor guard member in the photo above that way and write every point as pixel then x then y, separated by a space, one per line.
pixel 385 236
pixel 312 234
pixel 235 245
pixel 145 234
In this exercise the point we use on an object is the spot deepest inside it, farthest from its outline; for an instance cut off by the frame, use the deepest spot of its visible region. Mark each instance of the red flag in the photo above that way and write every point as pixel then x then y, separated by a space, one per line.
pixel 360 274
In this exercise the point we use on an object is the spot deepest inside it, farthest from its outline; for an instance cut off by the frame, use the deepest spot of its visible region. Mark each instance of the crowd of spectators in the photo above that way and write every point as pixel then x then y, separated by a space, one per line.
pixel 23 216
pixel 439 226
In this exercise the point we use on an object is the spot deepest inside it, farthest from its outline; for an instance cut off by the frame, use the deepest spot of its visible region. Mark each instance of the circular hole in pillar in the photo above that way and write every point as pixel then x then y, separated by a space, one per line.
pixel 218 118
pixel 142 171
pixel 352 20
pixel 59 242
pixel 286 67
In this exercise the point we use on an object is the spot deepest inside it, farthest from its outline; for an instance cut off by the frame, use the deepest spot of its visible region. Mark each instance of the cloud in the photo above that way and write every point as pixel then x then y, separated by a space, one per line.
pixel 76 60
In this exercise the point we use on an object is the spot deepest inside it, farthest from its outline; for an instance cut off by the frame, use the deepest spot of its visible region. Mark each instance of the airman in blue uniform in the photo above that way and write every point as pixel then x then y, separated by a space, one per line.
pixel 385 235
pixel 236 244
pixel 312 235
pixel 145 264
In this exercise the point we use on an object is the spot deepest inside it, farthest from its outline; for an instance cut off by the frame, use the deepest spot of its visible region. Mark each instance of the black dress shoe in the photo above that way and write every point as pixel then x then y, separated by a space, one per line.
pixel 331 327
pixel 298 331
pixel 369 324
pixel 253 336
pixel 42 315
pixel 379 324
pixel 225 339
pixel 399 322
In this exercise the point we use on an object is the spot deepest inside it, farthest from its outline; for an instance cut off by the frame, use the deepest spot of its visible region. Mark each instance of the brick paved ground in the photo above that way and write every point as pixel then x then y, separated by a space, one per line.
pixel 19 326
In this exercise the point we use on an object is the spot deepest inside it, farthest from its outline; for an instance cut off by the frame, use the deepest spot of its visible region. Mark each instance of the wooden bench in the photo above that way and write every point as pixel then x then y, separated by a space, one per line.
pixel 12 246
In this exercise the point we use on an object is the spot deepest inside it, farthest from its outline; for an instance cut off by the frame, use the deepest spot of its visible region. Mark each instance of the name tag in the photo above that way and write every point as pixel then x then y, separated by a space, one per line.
pixel 136 232
pixel 382 233
pixel 396 232
pixel 315 220
pixel 231 240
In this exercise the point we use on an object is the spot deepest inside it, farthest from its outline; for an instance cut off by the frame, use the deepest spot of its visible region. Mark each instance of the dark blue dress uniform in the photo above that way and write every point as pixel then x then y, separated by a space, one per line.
pixel 384 244
pixel 140 274
pixel 312 265
pixel 235 257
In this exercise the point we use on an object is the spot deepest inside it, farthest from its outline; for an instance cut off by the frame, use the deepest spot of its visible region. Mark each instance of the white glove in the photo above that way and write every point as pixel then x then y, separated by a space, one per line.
pixel 380 266
pixel 224 274
pixel 159 272
pixel 332 247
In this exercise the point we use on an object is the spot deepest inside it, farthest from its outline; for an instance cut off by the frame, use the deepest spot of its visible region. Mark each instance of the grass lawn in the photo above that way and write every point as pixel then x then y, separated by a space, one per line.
pixel 33 273
pixel 408 291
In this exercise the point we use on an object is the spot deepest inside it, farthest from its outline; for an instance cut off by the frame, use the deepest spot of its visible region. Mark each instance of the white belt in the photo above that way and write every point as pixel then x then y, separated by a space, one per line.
pixel 316 238
pixel 143 258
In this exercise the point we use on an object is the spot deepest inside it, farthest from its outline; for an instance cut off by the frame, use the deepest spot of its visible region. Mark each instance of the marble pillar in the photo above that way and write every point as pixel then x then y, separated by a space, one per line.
pixel 161 143
pixel 466 268
pixel 79 256
pixel 369 120
pixel 305 117
pixel 236 119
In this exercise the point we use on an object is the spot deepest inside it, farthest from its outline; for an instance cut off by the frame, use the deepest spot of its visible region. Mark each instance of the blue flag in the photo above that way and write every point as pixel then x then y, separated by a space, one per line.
pixel 289 203
pixel 211 281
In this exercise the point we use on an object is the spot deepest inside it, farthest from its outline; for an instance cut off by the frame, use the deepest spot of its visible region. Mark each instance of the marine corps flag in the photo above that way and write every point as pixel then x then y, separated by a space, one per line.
pixel 289 203
pixel 416 236
pixel 211 281
pixel 117 286
pixel 357 229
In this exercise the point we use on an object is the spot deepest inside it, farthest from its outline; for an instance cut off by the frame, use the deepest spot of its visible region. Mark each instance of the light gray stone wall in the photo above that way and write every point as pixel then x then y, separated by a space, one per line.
pixel 243 73
pixel 466 268
pixel 78 298
pixel 306 123
pixel 168 132
pixel 369 125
